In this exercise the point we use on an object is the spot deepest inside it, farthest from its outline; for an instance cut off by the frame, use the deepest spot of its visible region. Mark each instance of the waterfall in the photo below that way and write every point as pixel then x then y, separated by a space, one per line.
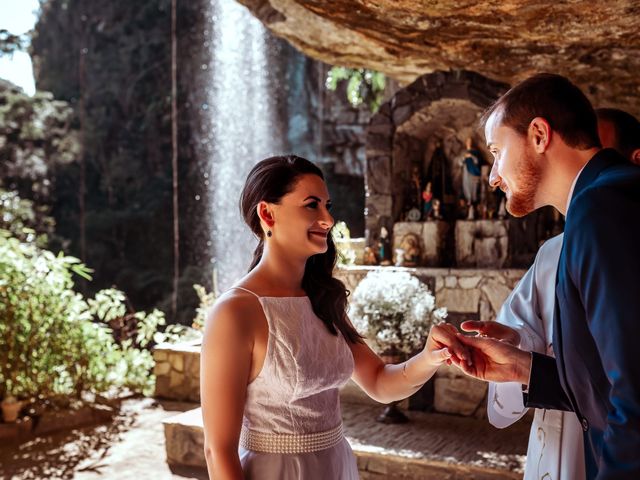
pixel 246 103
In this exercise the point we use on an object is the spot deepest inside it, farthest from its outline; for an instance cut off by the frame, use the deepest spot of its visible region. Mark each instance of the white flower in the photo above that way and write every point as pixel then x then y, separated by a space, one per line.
pixel 395 310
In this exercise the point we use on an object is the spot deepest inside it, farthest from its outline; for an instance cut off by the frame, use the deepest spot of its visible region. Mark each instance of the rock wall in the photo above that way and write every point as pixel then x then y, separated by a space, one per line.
pixel 177 371
pixel 597 47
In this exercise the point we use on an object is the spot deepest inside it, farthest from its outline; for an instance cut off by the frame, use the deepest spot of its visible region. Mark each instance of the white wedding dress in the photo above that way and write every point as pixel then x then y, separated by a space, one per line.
pixel 292 425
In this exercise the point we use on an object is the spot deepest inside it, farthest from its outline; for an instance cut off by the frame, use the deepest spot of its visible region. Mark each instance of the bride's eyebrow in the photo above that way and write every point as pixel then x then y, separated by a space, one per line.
pixel 317 199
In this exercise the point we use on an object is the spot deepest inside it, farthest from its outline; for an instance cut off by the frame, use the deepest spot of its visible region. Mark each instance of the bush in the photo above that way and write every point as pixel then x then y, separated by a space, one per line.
pixel 23 219
pixel 55 342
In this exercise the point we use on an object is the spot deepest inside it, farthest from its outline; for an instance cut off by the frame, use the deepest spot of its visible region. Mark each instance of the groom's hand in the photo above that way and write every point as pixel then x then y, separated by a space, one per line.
pixel 495 361
pixel 444 346
pixel 493 330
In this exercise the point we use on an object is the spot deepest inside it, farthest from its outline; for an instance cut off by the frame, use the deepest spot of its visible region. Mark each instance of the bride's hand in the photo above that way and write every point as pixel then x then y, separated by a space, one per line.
pixel 444 346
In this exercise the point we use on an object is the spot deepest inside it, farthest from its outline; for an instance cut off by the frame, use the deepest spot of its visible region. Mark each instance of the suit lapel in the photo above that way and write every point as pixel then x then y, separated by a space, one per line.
pixel 589 174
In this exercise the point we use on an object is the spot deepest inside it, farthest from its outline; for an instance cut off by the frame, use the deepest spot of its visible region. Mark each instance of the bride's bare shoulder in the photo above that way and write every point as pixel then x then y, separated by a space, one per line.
pixel 238 308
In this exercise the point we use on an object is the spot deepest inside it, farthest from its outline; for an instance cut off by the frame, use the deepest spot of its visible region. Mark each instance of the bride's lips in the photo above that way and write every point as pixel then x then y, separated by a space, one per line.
pixel 319 234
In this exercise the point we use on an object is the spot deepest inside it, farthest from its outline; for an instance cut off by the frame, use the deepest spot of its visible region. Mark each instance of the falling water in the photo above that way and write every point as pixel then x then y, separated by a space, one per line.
pixel 251 118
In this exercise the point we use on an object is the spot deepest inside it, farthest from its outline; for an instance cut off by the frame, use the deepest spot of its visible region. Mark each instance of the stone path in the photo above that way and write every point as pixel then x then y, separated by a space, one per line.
pixel 133 448
pixel 130 448
pixel 434 446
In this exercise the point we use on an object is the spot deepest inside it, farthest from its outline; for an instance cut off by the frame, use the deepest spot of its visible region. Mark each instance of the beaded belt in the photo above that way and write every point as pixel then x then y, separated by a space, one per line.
pixel 290 443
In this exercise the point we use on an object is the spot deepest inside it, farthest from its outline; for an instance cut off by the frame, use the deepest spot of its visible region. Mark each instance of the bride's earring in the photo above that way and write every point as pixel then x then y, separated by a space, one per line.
pixel 269 233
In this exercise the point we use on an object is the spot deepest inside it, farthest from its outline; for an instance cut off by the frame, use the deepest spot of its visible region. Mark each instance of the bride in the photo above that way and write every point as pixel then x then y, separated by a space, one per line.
pixel 279 345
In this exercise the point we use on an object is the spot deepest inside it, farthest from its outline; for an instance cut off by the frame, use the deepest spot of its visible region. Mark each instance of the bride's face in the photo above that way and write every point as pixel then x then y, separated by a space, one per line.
pixel 302 220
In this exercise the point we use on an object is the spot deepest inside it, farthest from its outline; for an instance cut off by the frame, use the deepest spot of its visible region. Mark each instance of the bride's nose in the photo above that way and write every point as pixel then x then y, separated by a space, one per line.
pixel 327 220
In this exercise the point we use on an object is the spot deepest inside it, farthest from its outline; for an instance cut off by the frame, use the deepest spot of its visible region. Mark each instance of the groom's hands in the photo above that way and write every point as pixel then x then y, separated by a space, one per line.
pixel 495 361
pixel 490 359
pixel 494 330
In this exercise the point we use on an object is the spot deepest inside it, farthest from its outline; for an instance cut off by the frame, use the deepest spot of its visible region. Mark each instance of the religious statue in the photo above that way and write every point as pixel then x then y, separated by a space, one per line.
pixel 427 201
pixel 399 257
pixel 411 246
pixel 483 213
pixel 369 257
pixel 462 210
pixel 414 196
pixel 470 162
pixel 384 248
pixel 415 187
pixel 436 209
pixel 471 212
pixel 437 172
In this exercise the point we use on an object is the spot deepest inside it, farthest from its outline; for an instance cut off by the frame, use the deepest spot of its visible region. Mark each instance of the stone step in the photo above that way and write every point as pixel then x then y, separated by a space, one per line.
pixel 430 446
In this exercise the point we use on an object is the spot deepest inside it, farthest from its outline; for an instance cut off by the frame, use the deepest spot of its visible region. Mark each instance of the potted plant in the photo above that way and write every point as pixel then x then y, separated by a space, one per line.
pixel 395 312
pixel 11 407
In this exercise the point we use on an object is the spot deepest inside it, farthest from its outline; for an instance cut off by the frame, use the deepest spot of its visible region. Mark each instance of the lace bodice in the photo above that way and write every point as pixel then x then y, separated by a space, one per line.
pixel 305 365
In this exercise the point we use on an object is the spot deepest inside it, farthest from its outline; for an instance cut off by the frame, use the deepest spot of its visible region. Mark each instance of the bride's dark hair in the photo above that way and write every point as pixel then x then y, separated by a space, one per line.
pixel 269 181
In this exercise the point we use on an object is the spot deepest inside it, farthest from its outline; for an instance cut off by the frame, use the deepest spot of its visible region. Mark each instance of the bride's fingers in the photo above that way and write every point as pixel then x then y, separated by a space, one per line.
pixel 445 336
pixel 442 355
pixel 450 328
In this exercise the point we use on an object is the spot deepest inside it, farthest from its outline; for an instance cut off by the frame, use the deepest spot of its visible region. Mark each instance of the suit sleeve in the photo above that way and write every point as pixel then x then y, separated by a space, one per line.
pixel 545 389
pixel 604 263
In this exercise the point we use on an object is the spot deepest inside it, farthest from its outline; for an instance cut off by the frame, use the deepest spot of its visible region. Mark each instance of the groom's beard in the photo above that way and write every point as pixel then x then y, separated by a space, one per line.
pixel 522 202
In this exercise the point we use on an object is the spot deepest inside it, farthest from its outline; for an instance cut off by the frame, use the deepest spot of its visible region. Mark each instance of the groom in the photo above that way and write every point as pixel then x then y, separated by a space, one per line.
pixel 544 138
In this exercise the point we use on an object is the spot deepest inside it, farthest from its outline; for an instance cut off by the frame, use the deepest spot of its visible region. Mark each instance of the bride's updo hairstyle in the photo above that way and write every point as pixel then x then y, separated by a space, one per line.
pixel 269 181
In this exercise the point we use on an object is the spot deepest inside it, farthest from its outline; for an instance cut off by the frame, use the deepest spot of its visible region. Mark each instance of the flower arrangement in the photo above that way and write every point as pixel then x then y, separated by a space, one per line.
pixel 395 311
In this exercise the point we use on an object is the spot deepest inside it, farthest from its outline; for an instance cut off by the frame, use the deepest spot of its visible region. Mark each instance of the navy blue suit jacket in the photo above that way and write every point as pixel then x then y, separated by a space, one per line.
pixel 596 337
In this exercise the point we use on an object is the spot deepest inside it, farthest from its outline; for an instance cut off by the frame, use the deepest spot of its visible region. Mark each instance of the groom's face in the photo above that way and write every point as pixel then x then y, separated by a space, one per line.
pixel 516 167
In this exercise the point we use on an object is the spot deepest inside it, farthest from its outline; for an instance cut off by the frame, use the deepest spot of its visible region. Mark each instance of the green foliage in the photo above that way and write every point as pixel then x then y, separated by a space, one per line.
pixel 362 85
pixel 207 299
pixel 23 219
pixel 53 341
pixel 35 137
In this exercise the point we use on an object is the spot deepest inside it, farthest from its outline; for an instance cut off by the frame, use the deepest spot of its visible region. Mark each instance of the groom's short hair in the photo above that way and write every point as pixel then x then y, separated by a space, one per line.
pixel 557 100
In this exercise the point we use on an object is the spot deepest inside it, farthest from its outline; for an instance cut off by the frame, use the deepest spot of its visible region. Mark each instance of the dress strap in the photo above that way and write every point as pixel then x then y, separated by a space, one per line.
pixel 248 291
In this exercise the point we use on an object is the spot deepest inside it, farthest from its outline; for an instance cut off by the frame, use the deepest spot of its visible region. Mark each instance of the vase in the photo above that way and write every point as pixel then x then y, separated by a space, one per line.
pixel 391 413
pixel 10 410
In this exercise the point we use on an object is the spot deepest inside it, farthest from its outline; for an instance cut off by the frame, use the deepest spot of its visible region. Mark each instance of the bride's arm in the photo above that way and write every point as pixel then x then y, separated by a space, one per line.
pixel 387 383
pixel 225 362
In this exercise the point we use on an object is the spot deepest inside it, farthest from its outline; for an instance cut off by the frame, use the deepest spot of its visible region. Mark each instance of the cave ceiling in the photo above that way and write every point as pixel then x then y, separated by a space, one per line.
pixel 596 44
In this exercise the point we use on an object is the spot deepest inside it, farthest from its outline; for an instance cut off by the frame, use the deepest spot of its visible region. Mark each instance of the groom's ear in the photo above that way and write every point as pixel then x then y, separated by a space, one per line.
pixel 540 134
